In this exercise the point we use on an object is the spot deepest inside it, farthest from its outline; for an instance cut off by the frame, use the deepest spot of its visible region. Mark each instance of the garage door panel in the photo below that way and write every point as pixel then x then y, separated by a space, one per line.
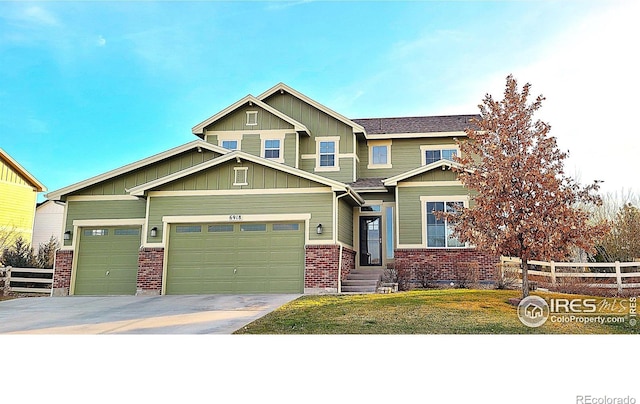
pixel 107 261
pixel 237 258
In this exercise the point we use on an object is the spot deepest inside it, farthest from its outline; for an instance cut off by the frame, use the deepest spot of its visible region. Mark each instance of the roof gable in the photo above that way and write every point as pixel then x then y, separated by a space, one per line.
pixel 442 164
pixel 249 99
pixel 196 144
pixel 281 87
pixel 240 156
pixel 21 171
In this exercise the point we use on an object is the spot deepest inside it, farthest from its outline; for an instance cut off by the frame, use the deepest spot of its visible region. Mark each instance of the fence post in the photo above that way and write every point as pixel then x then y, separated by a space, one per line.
pixel 552 266
pixel 618 277
pixel 7 281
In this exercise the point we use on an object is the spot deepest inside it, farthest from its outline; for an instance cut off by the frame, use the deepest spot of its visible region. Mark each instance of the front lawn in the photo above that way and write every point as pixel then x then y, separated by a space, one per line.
pixel 441 311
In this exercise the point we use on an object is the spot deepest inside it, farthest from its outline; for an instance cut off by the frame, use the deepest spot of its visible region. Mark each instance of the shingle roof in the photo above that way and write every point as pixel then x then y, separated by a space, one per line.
pixel 364 183
pixel 417 124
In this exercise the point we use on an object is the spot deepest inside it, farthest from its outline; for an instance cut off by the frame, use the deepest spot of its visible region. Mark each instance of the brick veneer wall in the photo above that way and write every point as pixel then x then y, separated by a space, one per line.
pixel 149 280
pixel 446 261
pixel 348 262
pixel 62 272
pixel 321 268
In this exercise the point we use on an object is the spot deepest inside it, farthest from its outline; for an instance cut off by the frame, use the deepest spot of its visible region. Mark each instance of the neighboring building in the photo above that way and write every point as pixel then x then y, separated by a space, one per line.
pixel 279 194
pixel 18 193
pixel 48 222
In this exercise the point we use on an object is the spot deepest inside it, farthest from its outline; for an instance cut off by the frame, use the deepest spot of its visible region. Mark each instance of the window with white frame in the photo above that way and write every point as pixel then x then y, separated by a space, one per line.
pixel 240 175
pixel 252 118
pixel 272 149
pixel 327 156
pixel 379 154
pixel 439 231
pixel 230 144
pixel 431 154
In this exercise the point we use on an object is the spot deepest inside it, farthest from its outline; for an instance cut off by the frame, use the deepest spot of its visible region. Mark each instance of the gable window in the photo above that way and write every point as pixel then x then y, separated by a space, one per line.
pixel 439 231
pixel 379 154
pixel 240 176
pixel 252 118
pixel 431 154
pixel 230 144
pixel 327 154
pixel 272 149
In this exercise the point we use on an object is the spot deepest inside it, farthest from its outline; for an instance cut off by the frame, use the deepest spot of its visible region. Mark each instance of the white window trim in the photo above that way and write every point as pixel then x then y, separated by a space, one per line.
pixel 423 207
pixel 336 141
pixel 264 137
pixel 252 118
pixel 237 177
pixel 371 144
pixel 232 137
pixel 423 148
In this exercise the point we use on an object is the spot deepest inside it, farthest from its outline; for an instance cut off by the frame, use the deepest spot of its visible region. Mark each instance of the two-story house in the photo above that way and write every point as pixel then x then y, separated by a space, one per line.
pixel 280 194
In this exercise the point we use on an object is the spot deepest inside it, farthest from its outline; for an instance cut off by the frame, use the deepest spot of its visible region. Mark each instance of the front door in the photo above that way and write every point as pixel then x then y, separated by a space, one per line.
pixel 370 241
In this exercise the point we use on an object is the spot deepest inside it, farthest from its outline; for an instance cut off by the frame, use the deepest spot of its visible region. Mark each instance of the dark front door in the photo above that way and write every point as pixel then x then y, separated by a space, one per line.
pixel 370 241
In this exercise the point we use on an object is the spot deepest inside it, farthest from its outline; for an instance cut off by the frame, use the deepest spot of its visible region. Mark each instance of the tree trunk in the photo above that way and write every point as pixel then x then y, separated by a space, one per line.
pixel 525 277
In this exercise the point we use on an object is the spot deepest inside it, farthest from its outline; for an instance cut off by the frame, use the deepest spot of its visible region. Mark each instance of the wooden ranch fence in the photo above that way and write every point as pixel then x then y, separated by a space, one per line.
pixel 617 274
pixel 26 280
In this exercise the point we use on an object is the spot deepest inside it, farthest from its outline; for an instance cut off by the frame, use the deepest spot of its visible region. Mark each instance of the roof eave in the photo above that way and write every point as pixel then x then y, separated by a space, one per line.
pixel 37 185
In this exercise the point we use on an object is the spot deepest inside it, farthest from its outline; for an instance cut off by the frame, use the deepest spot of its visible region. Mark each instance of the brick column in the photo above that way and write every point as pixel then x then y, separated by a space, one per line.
pixel 348 262
pixel 62 272
pixel 149 281
pixel 321 268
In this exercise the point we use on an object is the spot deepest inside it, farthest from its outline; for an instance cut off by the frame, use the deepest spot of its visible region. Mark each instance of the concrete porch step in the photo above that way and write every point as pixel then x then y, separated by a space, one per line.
pixel 362 281
pixel 359 282
pixel 359 289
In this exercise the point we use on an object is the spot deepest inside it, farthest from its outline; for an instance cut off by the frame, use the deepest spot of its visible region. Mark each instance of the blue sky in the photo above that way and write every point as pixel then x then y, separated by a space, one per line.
pixel 86 87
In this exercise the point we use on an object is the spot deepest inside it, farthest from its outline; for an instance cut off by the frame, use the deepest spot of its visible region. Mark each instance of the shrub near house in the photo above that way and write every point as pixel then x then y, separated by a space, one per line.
pixel 280 194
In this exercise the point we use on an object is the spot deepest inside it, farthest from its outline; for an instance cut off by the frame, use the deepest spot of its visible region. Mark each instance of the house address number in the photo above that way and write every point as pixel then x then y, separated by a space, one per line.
pixel 235 217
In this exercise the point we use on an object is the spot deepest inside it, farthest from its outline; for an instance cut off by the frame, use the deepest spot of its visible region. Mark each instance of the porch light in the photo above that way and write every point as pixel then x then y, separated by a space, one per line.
pixel 154 232
pixel 319 229
pixel 67 235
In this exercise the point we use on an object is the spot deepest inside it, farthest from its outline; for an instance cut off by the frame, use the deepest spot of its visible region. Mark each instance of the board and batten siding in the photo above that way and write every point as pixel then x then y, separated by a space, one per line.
pixel 95 210
pixel 17 208
pixel 405 156
pixel 237 121
pixel 319 205
pixel 222 177
pixel 409 209
pixel 119 185
pixel 345 222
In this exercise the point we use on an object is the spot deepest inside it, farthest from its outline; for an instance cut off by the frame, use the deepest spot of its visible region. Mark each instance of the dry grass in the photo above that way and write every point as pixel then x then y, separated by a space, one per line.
pixel 443 311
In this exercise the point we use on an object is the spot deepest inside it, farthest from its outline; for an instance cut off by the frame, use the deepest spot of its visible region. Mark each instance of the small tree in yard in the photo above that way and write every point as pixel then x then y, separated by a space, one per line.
pixel 20 255
pixel 525 206
pixel 622 243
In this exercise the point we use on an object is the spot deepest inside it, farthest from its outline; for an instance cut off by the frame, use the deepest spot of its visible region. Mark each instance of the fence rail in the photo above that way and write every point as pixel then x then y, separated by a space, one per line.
pixel 26 280
pixel 620 271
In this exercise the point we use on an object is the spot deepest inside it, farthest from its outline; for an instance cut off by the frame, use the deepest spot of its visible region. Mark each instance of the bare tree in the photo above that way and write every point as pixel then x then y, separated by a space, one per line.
pixel 524 204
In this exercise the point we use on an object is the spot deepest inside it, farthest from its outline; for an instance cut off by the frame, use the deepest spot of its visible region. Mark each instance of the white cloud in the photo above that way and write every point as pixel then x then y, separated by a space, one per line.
pixel 40 16
pixel 101 41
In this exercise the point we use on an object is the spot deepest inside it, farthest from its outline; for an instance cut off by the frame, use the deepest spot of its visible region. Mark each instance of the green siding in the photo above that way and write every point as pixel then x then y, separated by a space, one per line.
pixel 318 205
pixel 405 156
pixel 86 210
pixel 289 149
pixel 410 210
pixel 222 177
pixel 119 185
pixel 251 144
pixel 345 222
pixel 237 120
pixel 379 196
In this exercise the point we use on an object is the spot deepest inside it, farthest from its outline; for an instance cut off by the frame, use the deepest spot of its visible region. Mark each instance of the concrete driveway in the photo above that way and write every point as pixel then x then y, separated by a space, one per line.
pixel 189 314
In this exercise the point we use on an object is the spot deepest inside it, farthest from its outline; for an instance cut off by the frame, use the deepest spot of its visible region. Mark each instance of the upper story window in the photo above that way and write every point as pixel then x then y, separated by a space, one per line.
pixel 431 154
pixel 230 144
pixel 272 149
pixel 327 157
pixel 327 154
pixel 379 154
pixel 252 118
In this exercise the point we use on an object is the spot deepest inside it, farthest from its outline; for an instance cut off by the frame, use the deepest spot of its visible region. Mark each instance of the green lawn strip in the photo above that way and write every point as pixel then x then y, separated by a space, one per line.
pixel 443 311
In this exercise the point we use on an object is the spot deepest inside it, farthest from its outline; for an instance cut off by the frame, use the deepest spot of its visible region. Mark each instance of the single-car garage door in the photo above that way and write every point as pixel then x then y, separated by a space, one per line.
pixel 107 261
pixel 235 258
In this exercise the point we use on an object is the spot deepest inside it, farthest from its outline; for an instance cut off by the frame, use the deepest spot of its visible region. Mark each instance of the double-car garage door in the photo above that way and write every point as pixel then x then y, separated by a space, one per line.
pixel 202 258
pixel 236 258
